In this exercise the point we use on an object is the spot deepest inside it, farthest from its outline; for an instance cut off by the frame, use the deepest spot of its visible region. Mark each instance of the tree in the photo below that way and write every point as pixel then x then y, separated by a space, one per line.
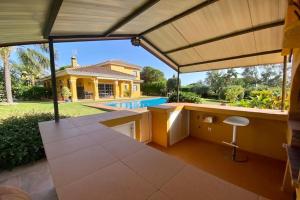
pixel 149 74
pixel 271 75
pixel 215 81
pixel 33 62
pixel 5 53
pixel 172 84
pixel 250 76
pixel 234 93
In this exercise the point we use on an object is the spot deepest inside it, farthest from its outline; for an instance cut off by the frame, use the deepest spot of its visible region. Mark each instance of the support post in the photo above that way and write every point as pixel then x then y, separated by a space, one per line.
pixel 283 83
pixel 53 80
pixel 178 85
pixel 95 89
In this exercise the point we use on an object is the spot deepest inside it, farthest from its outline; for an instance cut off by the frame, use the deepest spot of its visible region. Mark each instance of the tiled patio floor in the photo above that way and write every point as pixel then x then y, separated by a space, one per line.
pixel 260 174
pixel 34 179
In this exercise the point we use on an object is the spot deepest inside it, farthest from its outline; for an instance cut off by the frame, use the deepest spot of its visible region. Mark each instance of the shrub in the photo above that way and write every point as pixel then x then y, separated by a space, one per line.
pixel 66 93
pixel 20 140
pixel 234 93
pixel 154 88
pixel 30 92
pixel 265 99
pixel 198 88
pixel 188 97
pixel 2 93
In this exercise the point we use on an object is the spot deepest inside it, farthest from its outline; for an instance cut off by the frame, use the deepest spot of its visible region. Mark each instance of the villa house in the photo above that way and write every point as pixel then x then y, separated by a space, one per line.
pixel 110 79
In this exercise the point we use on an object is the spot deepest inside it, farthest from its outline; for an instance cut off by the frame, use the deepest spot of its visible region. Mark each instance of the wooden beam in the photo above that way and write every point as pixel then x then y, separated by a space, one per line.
pixel 233 57
pixel 23 43
pixel 229 35
pixel 131 16
pixel 179 16
pixel 53 12
pixel 53 80
pixel 159 54
pixel 92 37
pixel 71 38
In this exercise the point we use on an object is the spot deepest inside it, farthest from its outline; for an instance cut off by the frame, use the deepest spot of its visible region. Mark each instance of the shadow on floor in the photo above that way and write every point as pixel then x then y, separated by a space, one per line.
pixel 260 174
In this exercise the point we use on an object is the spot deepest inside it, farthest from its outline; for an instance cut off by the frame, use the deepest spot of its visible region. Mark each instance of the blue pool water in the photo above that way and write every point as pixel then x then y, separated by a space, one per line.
pixel 138 103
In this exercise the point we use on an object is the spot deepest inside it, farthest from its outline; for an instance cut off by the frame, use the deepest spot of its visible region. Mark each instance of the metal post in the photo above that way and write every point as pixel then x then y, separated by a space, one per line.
pixel 53 80
pixel 283 83
pixel 178 85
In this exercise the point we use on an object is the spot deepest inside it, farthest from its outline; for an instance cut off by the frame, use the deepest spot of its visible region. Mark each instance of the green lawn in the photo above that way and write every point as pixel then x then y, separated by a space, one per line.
pixel 213 101
pixel 70 109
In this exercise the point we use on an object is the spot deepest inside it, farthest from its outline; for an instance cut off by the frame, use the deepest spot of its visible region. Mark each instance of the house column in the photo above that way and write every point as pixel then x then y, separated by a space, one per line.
pixel 131 88
pixel 121 89
pixel 95 89
pixel 116 89
pixel 73 88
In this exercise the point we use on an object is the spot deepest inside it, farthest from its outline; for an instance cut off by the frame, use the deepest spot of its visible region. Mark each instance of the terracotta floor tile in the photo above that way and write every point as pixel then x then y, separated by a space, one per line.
pixel 59 134
pixel 159 196
pixel 123 146
pixel 193 183
pixel 71 167
pixel 103 136
pixel 154 166
pixel 63 124
pixel 260 174
pixel 63 147
pixel 92 127
pixel 114 182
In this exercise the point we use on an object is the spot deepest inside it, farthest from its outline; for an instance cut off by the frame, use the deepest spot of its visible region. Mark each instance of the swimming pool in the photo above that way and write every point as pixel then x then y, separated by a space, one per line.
pixel 138 103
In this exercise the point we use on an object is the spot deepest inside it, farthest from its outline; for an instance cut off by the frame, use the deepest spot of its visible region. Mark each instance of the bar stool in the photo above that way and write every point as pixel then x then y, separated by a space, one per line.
pixel 235 121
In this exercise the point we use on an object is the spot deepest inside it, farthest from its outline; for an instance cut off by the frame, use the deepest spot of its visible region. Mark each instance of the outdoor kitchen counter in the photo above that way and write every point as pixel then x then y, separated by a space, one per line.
pixel 228 110
pixel 89 160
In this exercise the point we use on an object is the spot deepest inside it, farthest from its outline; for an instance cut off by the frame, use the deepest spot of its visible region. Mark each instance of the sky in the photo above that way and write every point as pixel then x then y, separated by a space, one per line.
pixel 89 53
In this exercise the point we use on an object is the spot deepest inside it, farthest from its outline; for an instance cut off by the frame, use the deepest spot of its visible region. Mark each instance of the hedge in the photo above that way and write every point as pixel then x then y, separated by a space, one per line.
pixel 20 140
pixel 154 88
pixel 31 92
pixel 188 97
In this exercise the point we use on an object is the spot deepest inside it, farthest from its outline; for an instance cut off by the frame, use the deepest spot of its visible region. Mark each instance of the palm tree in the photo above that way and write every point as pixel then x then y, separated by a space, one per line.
pixel 32 63
pixel 5 53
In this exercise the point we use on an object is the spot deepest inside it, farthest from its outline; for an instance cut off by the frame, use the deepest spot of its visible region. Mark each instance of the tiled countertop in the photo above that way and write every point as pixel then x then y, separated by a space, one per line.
pixel 230 110
pixel 91 161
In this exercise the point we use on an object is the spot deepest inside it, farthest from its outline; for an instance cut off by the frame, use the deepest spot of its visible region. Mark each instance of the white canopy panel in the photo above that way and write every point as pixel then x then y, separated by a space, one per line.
pixel 193 35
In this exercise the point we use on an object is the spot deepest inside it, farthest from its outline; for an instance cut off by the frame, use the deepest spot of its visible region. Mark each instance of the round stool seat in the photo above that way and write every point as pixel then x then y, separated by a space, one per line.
pixel 236 121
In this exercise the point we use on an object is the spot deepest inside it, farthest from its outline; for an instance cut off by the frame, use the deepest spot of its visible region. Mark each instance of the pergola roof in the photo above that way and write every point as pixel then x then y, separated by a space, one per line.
pixel 193 35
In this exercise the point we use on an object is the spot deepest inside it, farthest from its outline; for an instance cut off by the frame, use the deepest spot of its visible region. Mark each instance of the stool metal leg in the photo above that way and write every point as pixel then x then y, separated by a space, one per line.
pixel 234 136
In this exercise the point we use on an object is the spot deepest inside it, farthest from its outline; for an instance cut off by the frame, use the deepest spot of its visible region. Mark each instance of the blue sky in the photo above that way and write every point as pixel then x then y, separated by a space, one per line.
pixel 98 51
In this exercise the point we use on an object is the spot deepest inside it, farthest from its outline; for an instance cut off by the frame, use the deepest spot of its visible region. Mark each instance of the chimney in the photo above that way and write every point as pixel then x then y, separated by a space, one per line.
pixel 74 63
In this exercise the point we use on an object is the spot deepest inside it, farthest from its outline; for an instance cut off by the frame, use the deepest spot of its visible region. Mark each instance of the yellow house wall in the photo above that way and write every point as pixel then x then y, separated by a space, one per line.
pixel 261 136
pixel 125 70
pixel 137 93
pixel 88 84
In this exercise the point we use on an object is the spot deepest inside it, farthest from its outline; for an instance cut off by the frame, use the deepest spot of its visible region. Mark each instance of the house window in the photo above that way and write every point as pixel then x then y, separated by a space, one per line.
pixel 135 88
pixel 134 73
pixel 106 90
